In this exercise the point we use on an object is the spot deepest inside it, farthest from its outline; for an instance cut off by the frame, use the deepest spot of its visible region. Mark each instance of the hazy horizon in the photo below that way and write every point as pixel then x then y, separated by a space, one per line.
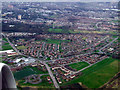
pixel 60 1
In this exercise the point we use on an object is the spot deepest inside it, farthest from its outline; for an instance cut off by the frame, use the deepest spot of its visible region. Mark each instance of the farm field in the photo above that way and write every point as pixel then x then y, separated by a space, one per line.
pixel 98 74
pixel 78 65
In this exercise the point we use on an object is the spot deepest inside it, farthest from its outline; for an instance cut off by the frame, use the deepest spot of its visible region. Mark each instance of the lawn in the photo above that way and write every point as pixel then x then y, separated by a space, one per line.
pixel 56 41
pixel 6 47
pixel 55 30
pixel 43 84
pixel 98 74
pixel 6 44
pixel 21 47
pixel 4 39
pixel 23 73
pixel 98 32
pixel 26 72
pixel 78 65
pixel 0 59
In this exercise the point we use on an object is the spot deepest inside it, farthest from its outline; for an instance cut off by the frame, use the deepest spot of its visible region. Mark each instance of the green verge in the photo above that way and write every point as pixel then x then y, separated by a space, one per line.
pixel 78 65
pixel 98 74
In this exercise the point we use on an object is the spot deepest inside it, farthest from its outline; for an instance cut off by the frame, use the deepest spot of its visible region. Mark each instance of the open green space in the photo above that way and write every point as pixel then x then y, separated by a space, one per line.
pixel 55 41
pixel 98 74
pixel 98 32
pixel 6 43
pixel 116 21
pixel 6 47
pixel 21 47
pixel 23 73
pixel 0 59
pixel 43 84
pixel 78 65
pixel 55 30
pixel 4 39
pixel 37 71
pixel 26 72
pixel 58 30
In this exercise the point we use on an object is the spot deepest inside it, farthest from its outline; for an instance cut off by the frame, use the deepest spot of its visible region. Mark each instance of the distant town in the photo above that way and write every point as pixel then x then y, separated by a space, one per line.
pixel 61 44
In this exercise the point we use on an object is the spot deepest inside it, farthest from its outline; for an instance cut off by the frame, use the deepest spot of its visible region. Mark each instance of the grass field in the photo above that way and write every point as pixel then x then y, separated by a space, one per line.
pixel 98 74
pixel 21 47
pixel 78 65
pixel 55 41
pixel 98 32
pixel 0 59
pixel 6 47
pixel 55 30
pixel 4 39
pixel 23 73
pixel 26 72
pixel 6 44
pixel 44 84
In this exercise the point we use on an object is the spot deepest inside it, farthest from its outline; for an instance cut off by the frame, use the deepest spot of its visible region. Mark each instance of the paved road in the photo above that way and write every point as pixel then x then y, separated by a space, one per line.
pixel 12 45
pixel 48 68
pixel 108 45
pixel 52 76
pixel 86 67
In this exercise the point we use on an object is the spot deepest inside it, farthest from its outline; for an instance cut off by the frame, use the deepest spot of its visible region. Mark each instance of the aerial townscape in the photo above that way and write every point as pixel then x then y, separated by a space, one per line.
pixel 60 45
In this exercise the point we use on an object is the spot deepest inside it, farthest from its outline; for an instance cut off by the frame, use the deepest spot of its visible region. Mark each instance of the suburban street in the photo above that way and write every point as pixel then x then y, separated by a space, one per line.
pixel 52 76
pixel 108 45
pixel 48 68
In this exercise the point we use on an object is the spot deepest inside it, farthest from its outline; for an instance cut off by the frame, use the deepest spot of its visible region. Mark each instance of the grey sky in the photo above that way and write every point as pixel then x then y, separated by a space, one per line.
pixel 61 0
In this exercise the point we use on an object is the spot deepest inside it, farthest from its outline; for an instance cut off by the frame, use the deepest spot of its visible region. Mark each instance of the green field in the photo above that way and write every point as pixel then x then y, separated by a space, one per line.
pixel 55 41
pixel 0 59
pixel 21 47
pixel 43 84
pixel 78 65
pixel 98 74
pixel 4 39
pixel 6 44
pixel 55 30
pixel 26 72
pixel 6 47
pixel 23 73
pixel 98 32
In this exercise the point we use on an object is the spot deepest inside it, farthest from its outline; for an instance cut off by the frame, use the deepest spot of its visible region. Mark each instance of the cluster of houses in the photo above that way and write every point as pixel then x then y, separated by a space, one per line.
pixel 69 45
pixel 112 49
pixel 63 74
pixel 66 74
pixel 89 58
